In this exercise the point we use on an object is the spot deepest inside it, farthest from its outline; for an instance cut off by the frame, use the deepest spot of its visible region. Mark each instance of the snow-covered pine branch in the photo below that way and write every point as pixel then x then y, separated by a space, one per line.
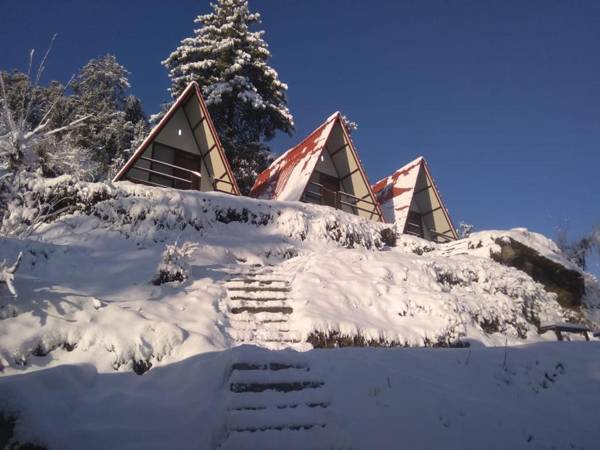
pixel 7 274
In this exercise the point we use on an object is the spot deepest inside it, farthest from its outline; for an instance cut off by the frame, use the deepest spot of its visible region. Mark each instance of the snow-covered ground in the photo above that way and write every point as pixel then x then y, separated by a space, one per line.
pixel 88 318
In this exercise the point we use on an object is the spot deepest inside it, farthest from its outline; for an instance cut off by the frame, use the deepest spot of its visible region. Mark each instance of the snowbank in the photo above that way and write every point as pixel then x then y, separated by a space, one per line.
pixel 541 396
pixel 89 319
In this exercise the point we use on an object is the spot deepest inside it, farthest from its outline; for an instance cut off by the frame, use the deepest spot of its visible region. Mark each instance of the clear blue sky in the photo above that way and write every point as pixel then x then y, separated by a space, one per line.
pixel 501 97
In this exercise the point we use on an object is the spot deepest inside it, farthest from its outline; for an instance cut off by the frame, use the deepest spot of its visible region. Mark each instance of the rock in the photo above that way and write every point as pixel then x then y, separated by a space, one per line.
pixel 388 237
pixel 566 283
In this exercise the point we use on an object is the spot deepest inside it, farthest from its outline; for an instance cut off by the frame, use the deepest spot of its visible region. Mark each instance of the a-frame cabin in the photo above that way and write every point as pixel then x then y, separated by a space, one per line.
pixel 183 151
pixel 410 199
pixel 324 169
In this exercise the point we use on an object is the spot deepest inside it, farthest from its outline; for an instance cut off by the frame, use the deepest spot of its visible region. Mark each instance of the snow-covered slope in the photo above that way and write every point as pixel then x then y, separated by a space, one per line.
pixel 88 316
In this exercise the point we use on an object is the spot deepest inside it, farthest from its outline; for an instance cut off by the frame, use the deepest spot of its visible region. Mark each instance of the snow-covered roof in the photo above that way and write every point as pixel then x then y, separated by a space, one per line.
pixel 287 176
pixel 396 192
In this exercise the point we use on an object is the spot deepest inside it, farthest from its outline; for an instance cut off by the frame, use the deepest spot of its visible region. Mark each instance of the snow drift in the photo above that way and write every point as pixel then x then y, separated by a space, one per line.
pixel 88 307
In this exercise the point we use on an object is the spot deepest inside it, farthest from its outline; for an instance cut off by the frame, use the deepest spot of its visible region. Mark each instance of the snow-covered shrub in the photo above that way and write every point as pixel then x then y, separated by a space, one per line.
pixel 35 200
pixel 175 263
pixel 7 274
pixel 65 156
pixel 388 237
pixel 465 230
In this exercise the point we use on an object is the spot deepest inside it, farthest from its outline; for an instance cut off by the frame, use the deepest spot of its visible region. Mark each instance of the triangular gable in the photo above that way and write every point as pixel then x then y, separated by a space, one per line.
pixel 183 151
pixel 410 199
pixel 327 150
pixel 286 178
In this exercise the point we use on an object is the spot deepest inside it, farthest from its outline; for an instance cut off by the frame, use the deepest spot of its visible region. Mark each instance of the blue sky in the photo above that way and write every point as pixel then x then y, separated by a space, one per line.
pixel 501 97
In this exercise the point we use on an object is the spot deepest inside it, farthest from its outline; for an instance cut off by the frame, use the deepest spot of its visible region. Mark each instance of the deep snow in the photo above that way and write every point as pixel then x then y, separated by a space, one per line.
pixel 88 316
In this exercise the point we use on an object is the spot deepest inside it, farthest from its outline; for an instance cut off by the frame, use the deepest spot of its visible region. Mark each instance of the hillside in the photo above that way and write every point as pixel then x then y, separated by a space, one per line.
pixel 88 319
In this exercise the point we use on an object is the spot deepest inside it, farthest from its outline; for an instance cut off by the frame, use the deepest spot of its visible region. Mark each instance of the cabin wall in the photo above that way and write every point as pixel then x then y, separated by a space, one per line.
pixel 187 131
pixel 348 170
pixel 170 135
pixel 426 203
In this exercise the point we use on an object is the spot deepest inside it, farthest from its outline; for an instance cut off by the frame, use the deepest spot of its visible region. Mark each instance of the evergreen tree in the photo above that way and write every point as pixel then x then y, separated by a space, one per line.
pixel 244 94
pixel 101 89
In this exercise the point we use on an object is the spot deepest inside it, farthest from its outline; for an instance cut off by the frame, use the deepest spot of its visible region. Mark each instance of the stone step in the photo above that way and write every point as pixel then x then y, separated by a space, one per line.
pixel 313 439
pixel 237 303
pixel 301 417
pixel 265 336
pixel 274 386
pixel 261 309
pixel 297 346
pixel 258 319
pixel 257 295
pixel 255 274
pixel 251 288
pixel 256 280
pixel 279 327
pixel 268 366
pixel 301 373
pixel 278 399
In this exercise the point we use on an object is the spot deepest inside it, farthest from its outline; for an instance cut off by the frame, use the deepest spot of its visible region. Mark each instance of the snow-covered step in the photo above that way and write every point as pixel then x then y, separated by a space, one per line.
pixel 272 303
pixel 282 375
pixel 297 346
pixel 267 335
pixel 276 399
pixel 279 326
pixel 269 365
pixel 258 275
pixel 257 295
pixel 251 288
pixel 265 419
pixel 261 309
pixel 281 386
pixel 313 439
pixel 258 318
pixel 257 284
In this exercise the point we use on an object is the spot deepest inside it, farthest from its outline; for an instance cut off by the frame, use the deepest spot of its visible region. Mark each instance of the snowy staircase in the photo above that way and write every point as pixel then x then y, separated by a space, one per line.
pixel 258 310
pixel 276 405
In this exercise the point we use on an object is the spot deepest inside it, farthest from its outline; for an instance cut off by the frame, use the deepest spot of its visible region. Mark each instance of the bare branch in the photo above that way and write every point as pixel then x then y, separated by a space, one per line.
pixel 24 97
pixel 69 126
pixel 12 269
pixel 38 77
pixel 42 65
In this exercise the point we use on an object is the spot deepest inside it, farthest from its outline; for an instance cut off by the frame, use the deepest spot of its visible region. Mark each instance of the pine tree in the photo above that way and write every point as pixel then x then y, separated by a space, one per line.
pixel 101 89
pixel 246 99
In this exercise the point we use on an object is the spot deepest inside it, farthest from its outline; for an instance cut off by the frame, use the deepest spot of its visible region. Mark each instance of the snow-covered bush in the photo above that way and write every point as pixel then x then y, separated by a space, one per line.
pixel 7 274
pixel 465 230
pixel 35 199
pixel 175 263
